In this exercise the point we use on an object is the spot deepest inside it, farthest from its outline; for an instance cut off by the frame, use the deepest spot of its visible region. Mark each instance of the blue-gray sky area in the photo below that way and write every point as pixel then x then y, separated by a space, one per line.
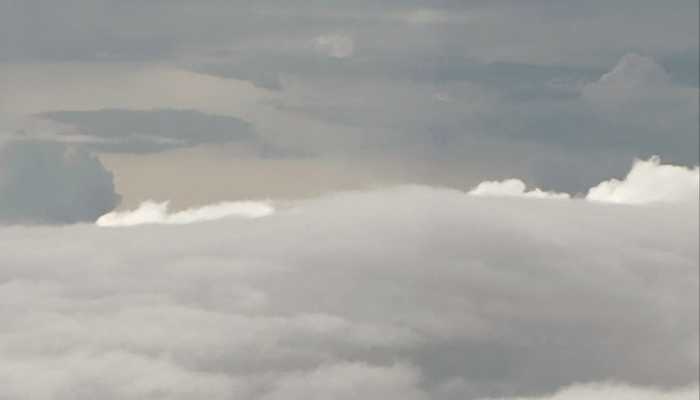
pixel 563 93
pixel 349 199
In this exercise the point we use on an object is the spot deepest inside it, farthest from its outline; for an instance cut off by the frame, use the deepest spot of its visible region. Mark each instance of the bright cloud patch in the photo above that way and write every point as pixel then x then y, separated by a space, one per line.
pixel 513 188
pixel 650 182
pixel 647 182
pixel 150 212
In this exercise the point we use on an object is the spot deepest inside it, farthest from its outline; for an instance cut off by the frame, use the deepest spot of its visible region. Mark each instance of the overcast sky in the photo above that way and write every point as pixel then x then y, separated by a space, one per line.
pixel 365 93
pixel 362 199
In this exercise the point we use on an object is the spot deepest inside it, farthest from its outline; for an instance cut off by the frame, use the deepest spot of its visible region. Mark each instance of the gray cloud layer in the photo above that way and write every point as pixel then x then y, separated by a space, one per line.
pixel 409 293
pixel 134 131
pixel 406 293
pixel 566 94
pixel 48 182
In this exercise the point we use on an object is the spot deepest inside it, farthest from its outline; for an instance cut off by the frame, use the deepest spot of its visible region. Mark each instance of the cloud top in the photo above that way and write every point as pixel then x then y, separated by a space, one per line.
pixel 513 188
pixel 650 182
pixel 52 183
pixel 150 212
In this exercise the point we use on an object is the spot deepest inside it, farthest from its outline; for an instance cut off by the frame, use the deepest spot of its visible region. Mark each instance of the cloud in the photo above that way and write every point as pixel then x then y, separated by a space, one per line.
pixel 335 45
pixel 603 391
pixel 513 188
pixel 45 182
pixel 112 375
pixel 640 100
pixel 647 182
pixel 137 131
pixel 635 81
pixel 631 72
pixel 416 292
pixel 484 30
pixel 424 16
pixel 650 182
pixel 349 382
pixel 379 108
pixel 150 212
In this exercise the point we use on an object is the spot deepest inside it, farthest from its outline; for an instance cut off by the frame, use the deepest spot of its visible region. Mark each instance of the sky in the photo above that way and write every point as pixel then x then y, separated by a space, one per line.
pixel 349 199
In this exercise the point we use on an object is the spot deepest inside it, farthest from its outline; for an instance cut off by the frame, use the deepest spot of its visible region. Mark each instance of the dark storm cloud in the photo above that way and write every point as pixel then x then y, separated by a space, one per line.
pixel 51 183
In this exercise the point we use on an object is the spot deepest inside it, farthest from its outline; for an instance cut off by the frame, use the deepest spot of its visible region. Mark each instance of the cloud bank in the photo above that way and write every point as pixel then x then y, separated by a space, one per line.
pixel 52 183
pixel 405 293
pixel 150 212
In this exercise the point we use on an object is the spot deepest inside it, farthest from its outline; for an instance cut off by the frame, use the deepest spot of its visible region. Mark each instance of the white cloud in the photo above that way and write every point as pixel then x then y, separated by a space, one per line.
pixel 603 391
pixel 389 292
pixel 150 212
pixel 647 182
pixel 513 188
pixel 650 182
pixel 335 45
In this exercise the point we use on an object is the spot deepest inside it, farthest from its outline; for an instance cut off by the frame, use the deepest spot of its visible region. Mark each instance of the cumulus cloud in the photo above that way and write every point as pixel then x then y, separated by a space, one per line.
pixel 44 182
pixel 650 182
pixel 513 188
pixel 404 293
pixel 150 212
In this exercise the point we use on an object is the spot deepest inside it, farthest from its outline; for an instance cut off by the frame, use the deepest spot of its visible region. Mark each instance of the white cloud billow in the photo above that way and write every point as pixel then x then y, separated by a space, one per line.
pixel 513 188
pixel 404 293
pixel 650 182
pixel 150 212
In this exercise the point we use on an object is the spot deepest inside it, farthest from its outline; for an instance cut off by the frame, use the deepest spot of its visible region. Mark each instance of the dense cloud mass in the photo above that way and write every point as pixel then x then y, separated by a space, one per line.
pixel 47 182
pixel 406 293
pixel 355 199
